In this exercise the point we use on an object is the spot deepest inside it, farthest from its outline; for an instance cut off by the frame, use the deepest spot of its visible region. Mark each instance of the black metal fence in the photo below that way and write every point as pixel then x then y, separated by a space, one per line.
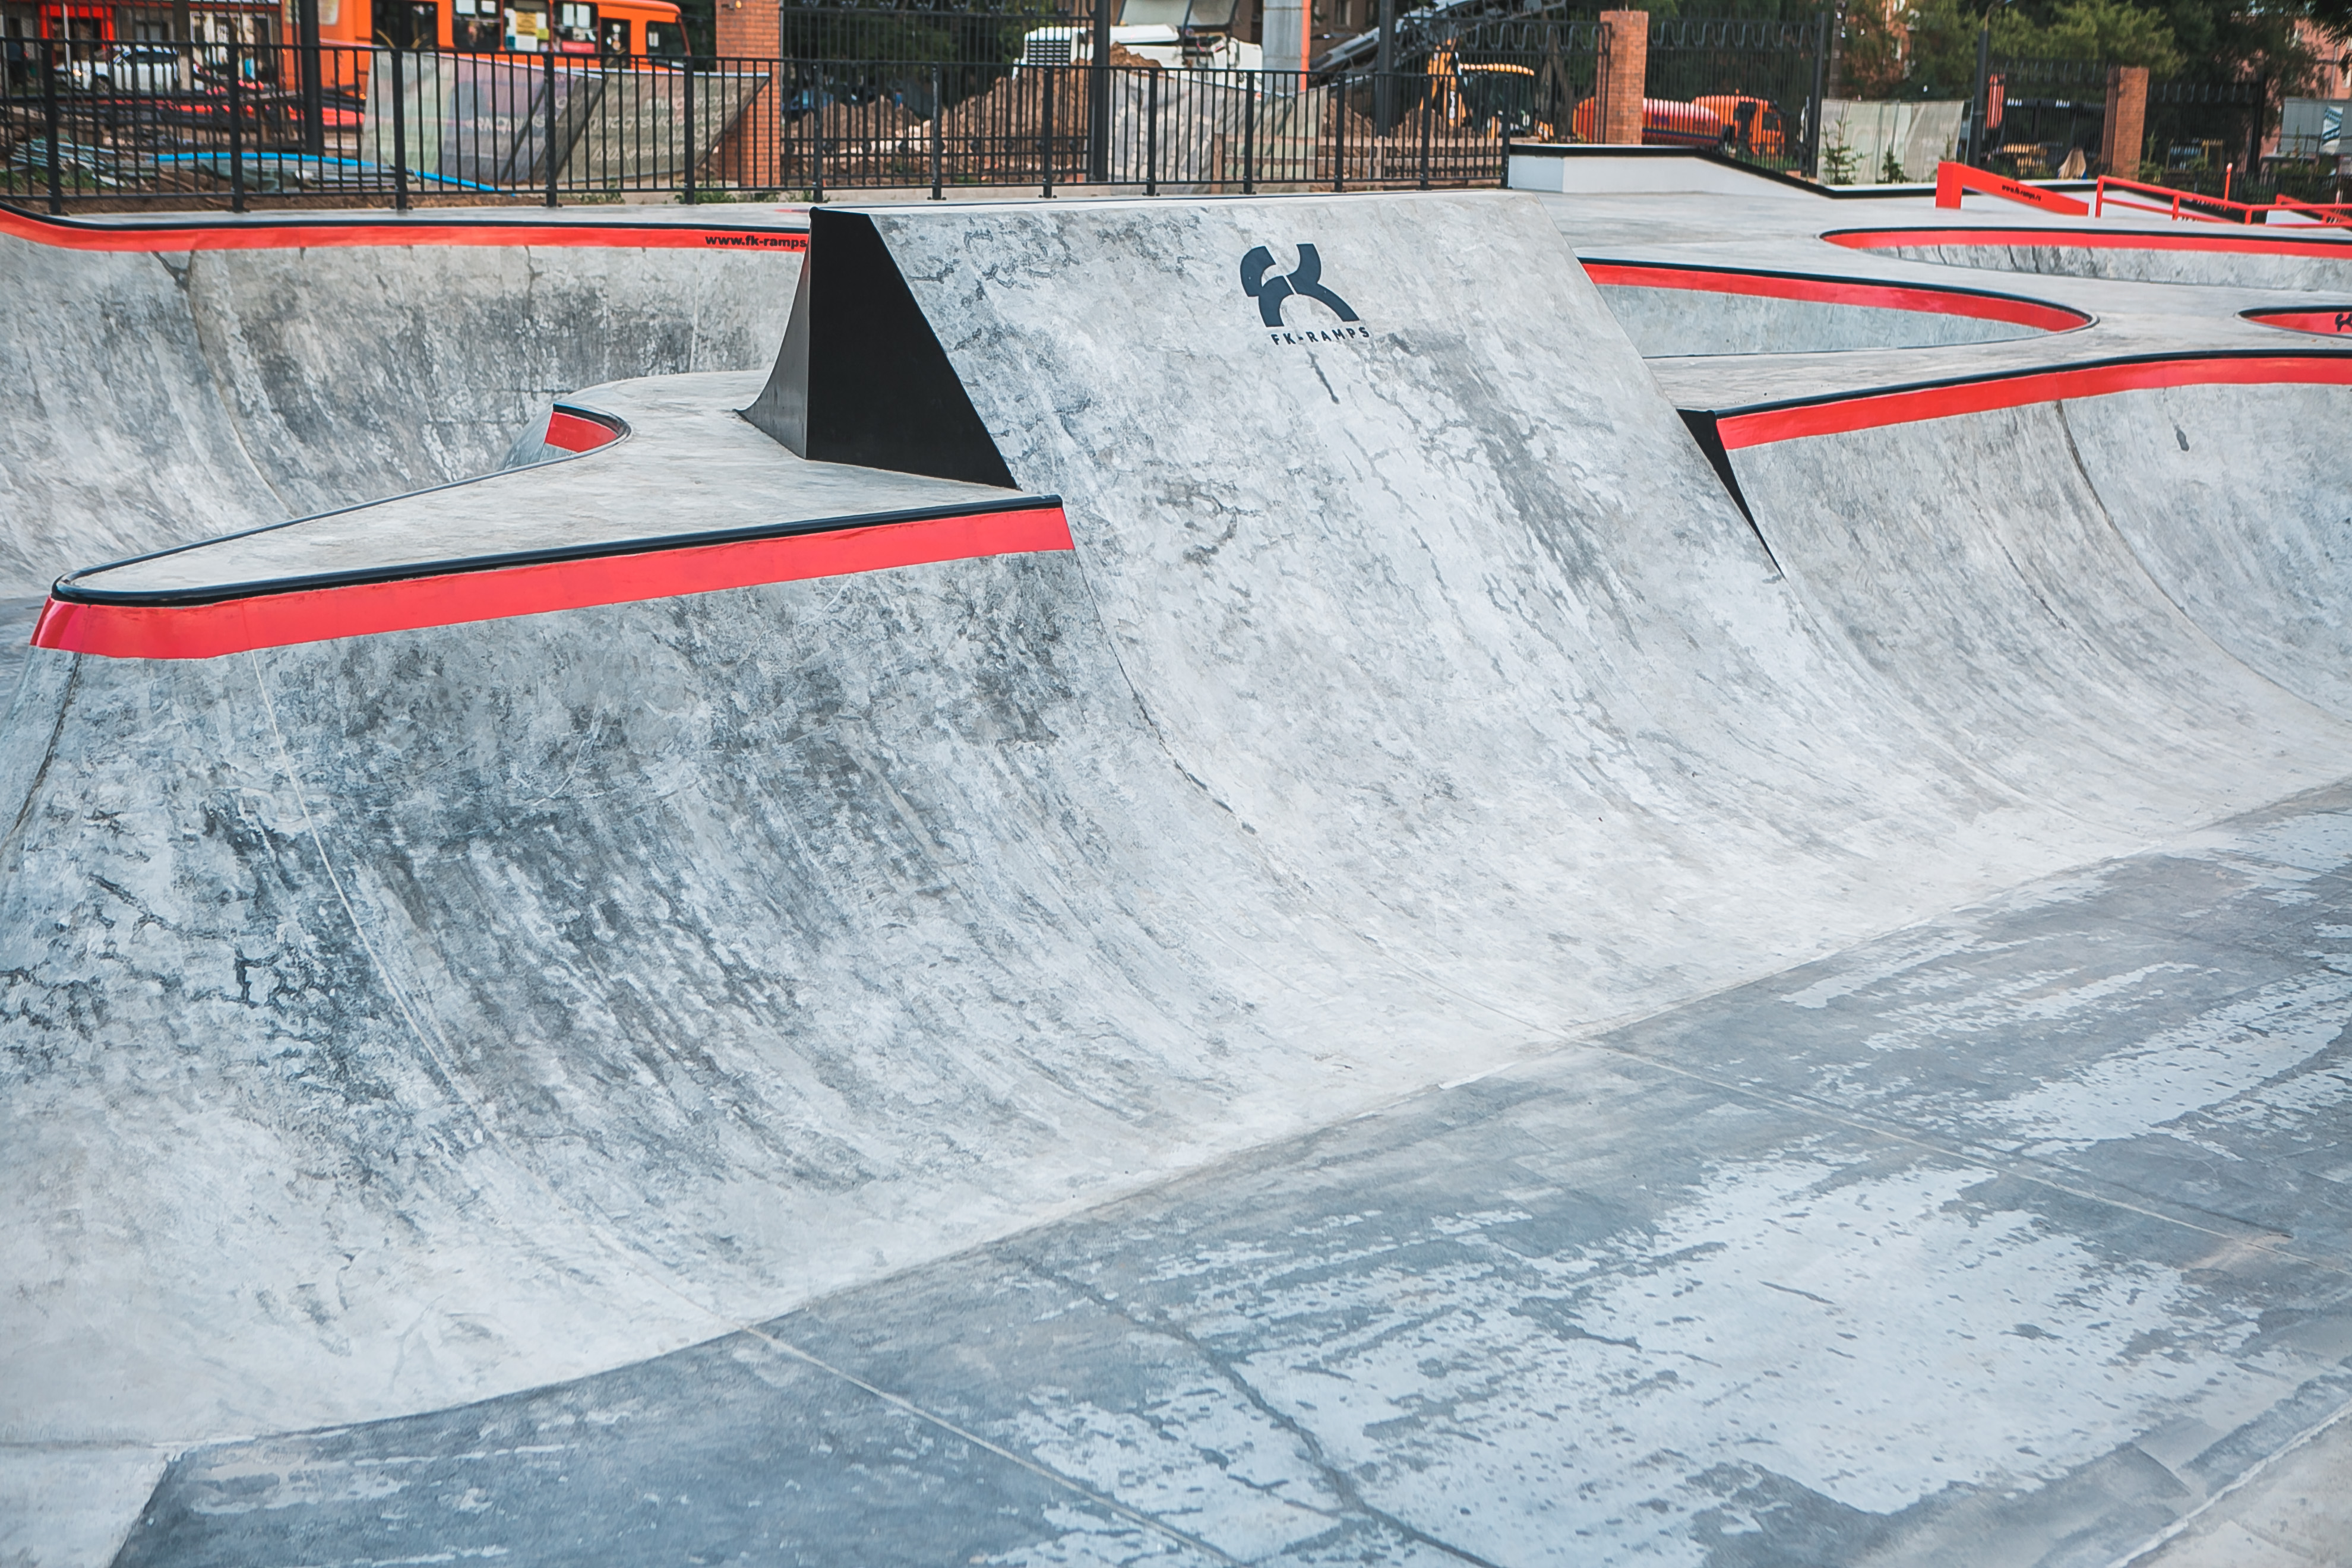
pixel 243 123
pixel 948 32
pixel 1764 79
pixel 2049 117
pixel 2041 113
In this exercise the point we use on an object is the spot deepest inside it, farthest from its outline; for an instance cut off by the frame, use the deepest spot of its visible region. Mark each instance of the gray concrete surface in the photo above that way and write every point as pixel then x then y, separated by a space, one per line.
pixel 169 397
pixel 629 491
pixel 2135 264
pixel 1966 1246
pixel 600 1015
pixel 1667 323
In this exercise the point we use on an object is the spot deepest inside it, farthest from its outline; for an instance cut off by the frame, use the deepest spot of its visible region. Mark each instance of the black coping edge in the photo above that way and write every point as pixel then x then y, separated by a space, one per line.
pixel 2287 350
pixel 69 590
pixel 1710 267
pixel 1702 423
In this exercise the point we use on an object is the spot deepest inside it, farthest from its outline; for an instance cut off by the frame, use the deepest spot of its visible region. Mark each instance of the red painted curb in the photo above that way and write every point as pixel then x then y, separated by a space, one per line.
pixel 570 430
pixel 2088 239
pixel 323 615
pixel 1904 406
pixel 1838 291
pixel 2332 322
pixel 243 234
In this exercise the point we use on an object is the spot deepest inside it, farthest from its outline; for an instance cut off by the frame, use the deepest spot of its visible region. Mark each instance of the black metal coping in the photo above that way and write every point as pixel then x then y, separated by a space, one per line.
pixel 2085 317
pixel 72 590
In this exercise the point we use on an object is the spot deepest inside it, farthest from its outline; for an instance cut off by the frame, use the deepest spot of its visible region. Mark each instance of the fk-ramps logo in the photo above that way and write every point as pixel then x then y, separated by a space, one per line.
pixel 1273 290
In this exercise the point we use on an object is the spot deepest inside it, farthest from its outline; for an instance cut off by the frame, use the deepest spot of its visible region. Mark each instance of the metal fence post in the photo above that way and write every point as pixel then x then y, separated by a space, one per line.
pixel 1979 99
pixel 312 67
pixel 399 137
pixel 693 137
pixel 816 142
pixel 1045 136
pixel 1249 138
pixel 939 133
pixel 548 75
pixel 49 128
pixel 235 128
pixel 1821 96
pixel 1426 107
pixel 1098 113
pixel 1339 136
pixel 1151 133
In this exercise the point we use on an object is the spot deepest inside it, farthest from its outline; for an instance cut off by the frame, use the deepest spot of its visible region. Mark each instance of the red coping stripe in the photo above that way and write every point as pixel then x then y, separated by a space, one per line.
pixel 320 615
pixel 1979 304
pixel 338 231
pixel 1761 425
pixel 2333 322
pixel 2088 239
pixel 577 430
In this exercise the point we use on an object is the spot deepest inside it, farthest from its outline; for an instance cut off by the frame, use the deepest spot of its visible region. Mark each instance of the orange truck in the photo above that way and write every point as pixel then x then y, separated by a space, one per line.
pixel 1756 125
pixel 1665 122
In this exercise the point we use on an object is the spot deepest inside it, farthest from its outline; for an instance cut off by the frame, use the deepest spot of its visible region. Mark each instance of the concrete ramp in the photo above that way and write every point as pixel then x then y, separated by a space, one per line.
pixel 184 380
pixel 1973 564
pixel 411 1019
pixel 2256 551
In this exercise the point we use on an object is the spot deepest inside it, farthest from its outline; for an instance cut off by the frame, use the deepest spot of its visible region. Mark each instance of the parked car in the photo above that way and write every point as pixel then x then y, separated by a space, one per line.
pixel 130 67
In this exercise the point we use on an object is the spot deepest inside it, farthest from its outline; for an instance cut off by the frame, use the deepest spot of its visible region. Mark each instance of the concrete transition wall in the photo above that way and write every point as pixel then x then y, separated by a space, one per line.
pixel 171 397
pixel 1667 323
pixel 2142 264
pixel 394 1022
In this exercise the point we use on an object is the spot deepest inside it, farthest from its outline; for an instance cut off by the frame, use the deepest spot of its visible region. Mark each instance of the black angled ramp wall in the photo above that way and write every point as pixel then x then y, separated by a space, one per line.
pixel 861 378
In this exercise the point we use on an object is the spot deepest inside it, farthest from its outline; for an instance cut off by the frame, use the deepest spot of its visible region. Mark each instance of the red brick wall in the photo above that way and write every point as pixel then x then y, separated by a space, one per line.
pixel 749 156
pixel 2127 121
pixel 1628 78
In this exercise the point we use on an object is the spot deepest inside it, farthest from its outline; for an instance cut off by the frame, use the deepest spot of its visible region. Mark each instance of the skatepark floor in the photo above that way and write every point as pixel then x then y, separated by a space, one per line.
pixel 2015 1230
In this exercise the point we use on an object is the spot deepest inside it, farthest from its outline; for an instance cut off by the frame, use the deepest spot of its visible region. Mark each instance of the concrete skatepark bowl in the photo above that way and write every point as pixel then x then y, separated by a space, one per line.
pixel 1015 900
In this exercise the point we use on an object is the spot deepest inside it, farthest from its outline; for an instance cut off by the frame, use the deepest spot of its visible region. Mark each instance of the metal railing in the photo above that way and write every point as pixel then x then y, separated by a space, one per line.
pixel 241 123
pixel 2193 206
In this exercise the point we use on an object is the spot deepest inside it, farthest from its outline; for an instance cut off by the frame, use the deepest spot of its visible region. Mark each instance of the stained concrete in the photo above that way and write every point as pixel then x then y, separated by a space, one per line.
pixel 404 1023
pixel 627 492
pixel 1970 1246
pixel 1671 323
pixel 168 397
pixel 2139 264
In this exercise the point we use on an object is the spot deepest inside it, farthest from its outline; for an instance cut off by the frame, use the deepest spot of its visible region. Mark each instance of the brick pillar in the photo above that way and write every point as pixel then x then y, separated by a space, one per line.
pixel 2127 121
pixel 1629 75
pixel 751 153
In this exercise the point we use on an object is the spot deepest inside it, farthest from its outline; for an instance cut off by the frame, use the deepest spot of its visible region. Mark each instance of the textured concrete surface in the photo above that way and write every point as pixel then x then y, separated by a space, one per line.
pixel 2149 264
pixel 709 1031
pixel 1971 1246
pixel 169 397
pixel 634 489
pixel 1668 323
pixel 2169 470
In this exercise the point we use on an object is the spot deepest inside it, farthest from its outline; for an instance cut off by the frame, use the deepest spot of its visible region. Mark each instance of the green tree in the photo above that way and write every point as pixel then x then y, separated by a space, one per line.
pixel 1870 50
pixel 2112 30
pixel 1941 62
